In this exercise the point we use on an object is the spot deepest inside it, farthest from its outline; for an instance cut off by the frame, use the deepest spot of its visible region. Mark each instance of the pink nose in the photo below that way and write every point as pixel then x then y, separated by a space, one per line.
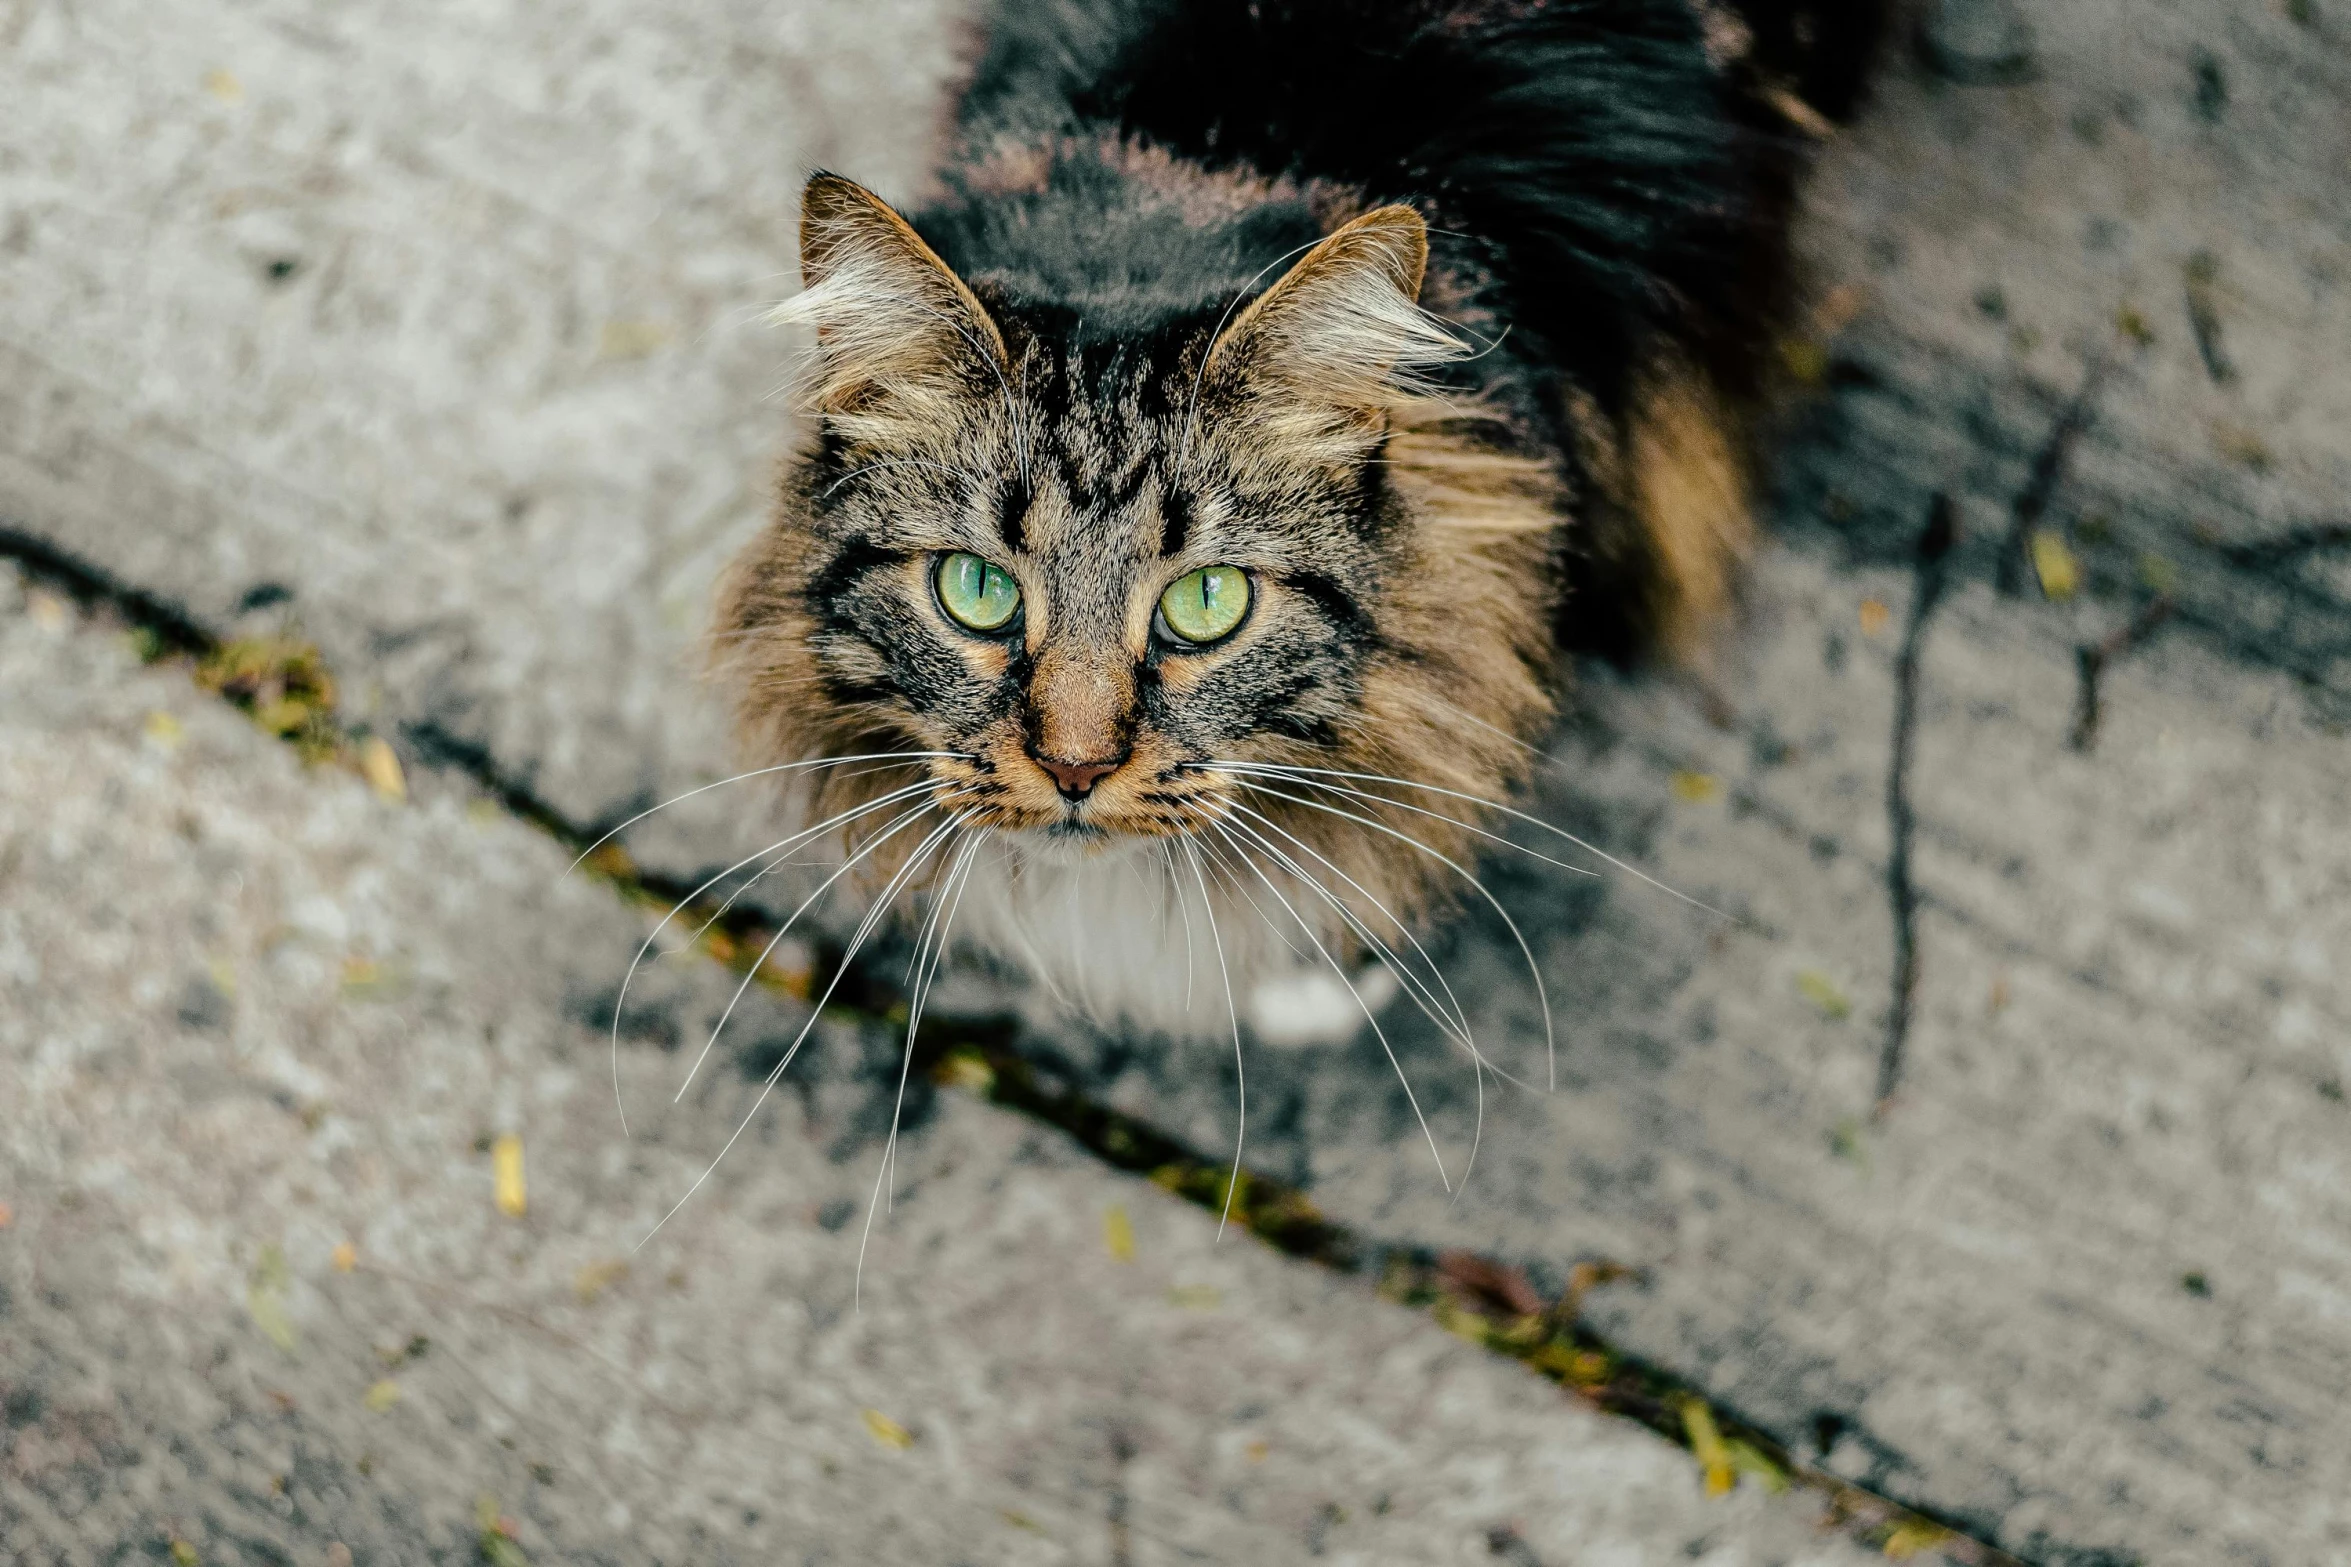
pixel 1075 779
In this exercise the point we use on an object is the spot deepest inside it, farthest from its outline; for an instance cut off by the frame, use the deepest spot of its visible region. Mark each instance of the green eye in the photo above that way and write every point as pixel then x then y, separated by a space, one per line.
pixel 1205 605
pixel 977 594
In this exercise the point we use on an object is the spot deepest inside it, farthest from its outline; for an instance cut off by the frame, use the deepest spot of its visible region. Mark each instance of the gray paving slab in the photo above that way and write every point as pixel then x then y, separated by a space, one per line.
pixel 2162 199
pixel 2083 1288
pixel 337 303
pixel 254 1014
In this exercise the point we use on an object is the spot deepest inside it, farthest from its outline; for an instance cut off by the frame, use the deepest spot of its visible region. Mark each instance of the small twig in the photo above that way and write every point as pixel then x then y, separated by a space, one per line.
pixel 2040 487
pixel 1934 549
pixel 2092 658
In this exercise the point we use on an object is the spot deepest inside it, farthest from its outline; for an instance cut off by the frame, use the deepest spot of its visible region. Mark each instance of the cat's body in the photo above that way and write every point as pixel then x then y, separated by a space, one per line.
pixel 1213 523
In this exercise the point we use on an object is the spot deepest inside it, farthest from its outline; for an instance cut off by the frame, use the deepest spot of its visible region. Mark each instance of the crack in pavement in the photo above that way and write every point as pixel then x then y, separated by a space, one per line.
pixel 1930 580
pixel 2041 482
pixel 1552 1342
pixel 2092 659
pixel 1932 577
pixel 90 586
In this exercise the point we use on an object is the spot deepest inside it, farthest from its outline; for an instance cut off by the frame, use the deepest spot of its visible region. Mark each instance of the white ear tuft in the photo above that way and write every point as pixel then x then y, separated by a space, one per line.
pixel 897 332
pixel 1343 329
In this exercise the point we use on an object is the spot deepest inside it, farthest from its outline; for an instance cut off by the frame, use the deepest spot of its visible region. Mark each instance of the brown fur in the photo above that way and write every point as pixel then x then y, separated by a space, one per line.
pixel 1669 524
pixel 1690 490
pixel 1314 376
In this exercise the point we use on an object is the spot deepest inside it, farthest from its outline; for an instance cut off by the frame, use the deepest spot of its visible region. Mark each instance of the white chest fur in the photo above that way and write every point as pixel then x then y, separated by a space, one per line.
pixel 1147 936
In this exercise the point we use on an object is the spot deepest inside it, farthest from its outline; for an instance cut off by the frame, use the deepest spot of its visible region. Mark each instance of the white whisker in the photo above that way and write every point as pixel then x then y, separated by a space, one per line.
pixel 1233 1014
pixel 1183 912
pixel 840 819
pixel 1290 775
pixel 762 772
pixel 1241 888
pixel 784 844
pixel 873 916
pixel 1595 850
pixel 1339 969
pixel 1478 1063
pixel 936 934
pixel 1496 730
pixel 1457 1025
pixel 1200 377
pixel 884 836
pixel 951 471
pixel 1534 971
pixel 938 931
pixel 1012 416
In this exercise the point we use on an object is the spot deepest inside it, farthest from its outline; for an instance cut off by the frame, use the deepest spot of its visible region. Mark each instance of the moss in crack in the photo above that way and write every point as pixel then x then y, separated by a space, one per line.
pixel 282 684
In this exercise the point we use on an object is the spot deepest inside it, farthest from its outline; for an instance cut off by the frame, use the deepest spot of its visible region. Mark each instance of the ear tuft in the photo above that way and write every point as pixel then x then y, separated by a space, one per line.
pixel 1343 329
pixel 896 330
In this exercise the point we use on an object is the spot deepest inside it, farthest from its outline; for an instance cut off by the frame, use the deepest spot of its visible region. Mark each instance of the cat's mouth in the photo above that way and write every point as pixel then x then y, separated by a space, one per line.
pixel 1008 789
pixel 1082 829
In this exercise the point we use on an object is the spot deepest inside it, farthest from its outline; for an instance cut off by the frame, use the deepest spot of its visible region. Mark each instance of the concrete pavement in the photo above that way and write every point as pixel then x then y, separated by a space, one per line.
pixel 261 1035
pixel 354 319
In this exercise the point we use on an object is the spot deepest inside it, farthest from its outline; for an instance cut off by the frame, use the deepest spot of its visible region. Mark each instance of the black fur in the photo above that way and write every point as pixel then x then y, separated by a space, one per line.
pixel 1583 156
pixel 1595 183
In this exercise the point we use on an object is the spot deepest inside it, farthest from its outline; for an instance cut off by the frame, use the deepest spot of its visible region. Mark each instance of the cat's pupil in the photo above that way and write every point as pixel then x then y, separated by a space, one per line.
pixel 975 593
pixel 1206 605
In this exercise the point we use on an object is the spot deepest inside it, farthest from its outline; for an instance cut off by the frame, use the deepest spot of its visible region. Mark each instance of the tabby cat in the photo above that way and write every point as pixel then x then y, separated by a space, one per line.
pixel 1203 488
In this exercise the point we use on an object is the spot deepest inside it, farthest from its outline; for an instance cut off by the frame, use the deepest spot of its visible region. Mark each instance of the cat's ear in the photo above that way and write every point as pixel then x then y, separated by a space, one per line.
pixel 1343 331
pixel 896 330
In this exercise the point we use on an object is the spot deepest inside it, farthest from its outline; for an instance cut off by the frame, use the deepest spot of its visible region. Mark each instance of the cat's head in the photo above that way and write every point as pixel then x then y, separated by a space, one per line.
pixel 1088 571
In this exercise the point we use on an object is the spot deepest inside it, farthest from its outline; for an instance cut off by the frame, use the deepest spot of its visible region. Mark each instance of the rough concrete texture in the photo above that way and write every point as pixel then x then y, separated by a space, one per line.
pixel 2082 1288
pixel 2162 199
pixel 340 303
pixel 254 1014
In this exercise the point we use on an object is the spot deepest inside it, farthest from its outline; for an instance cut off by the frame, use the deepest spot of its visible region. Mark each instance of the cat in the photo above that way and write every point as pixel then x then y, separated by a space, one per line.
pixel 1205 489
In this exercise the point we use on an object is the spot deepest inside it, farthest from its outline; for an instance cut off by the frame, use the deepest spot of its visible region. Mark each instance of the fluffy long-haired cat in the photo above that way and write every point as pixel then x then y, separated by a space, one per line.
pixel 1203 489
